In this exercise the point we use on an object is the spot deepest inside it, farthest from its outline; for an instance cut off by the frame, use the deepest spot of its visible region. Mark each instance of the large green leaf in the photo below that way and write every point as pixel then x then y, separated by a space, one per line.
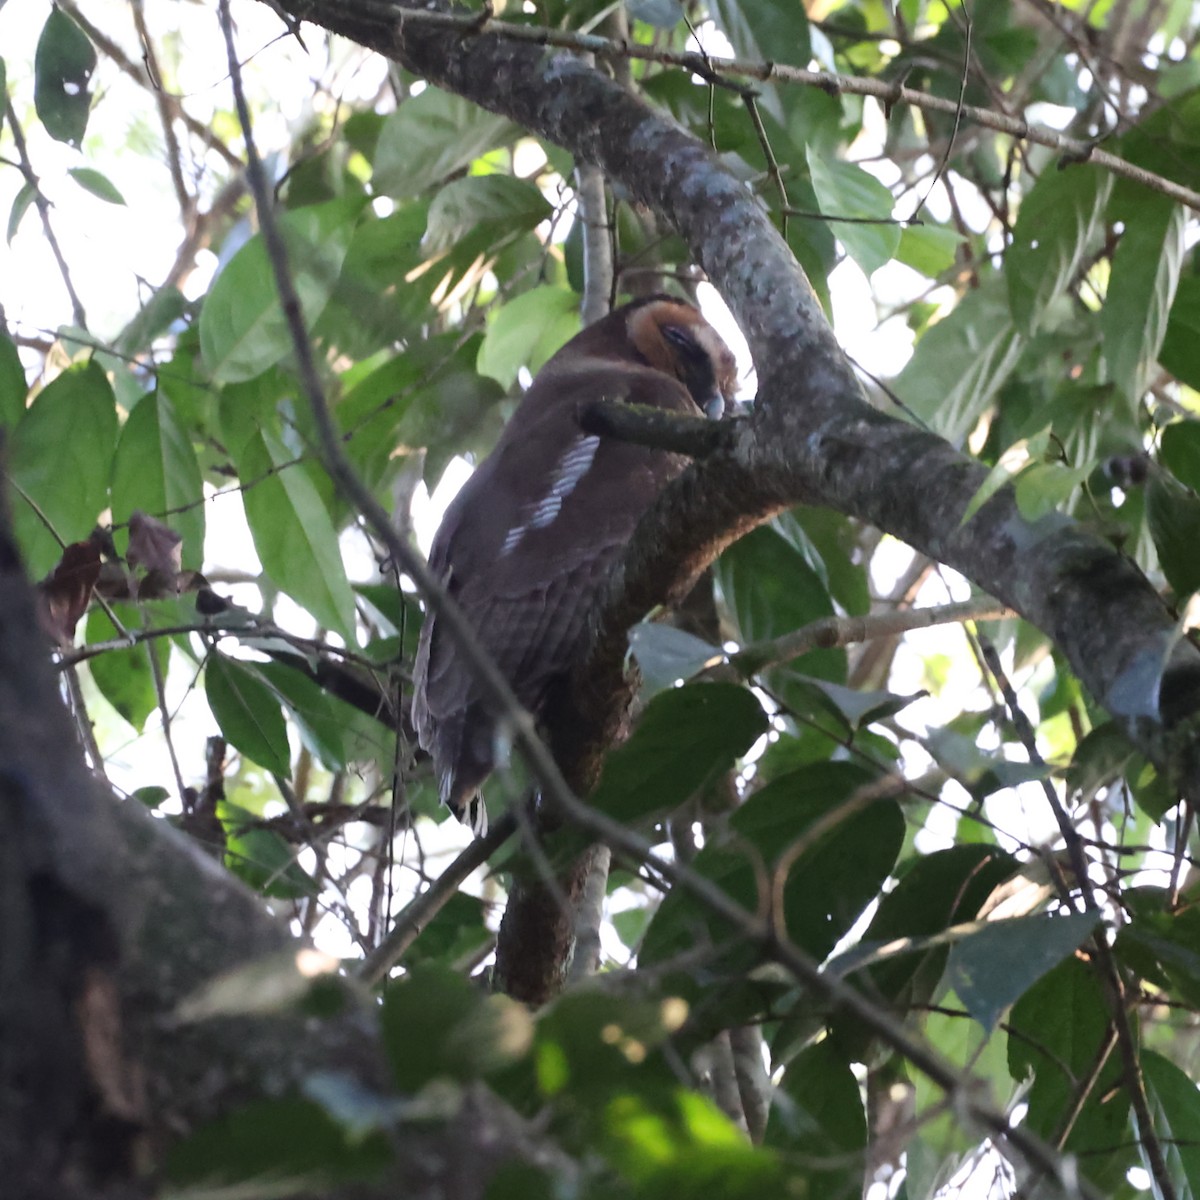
pixel 824 889
pixel 1180 451
pixel 504 204
pixel 13 387
pixel 777 31
pixel 665 654
pixel 846 190
pixel 1058 221
pixel 1056 1032
pixel 280 1139
pixel 243 330
pixel 1180 352
pixel 60 460
pixel 960 364
pixel 818 1117
pixel 125 677
pixel 262 858
pixel 1162 945
pixel 293 534
pixel 527 331
pixel 1173 514
pixel 247 710
pixel 685 738
pixel 771 589
pixel 62 70
pixel 432 136
pixel 1141 289
pixel 20 206
pixel 156 471
pixel 1175 1113
pixel 935 891
pixel 438 1024
pixel 994 966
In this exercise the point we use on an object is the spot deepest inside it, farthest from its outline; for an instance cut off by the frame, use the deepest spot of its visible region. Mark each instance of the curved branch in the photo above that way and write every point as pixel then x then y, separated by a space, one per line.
pixel 813 438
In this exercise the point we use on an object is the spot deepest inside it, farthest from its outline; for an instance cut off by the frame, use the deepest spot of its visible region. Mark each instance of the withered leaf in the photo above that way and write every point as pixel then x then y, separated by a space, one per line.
pixel 153 545
pixel 64 594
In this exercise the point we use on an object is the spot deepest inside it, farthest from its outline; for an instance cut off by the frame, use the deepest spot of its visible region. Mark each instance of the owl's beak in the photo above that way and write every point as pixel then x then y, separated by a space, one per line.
pixel 714 407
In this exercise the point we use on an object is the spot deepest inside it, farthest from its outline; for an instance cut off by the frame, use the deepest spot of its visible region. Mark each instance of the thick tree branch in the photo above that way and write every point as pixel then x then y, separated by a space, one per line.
pixel 813 438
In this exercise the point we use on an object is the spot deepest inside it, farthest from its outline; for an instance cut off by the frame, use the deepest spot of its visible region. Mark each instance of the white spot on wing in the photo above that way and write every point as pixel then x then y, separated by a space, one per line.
pixel 570 470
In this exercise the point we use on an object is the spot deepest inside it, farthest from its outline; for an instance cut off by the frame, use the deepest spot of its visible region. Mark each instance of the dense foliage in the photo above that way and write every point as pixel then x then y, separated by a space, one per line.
pixel 945 820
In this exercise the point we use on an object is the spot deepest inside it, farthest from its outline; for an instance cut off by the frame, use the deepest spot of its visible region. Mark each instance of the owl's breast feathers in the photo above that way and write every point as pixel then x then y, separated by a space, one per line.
pixel 528 543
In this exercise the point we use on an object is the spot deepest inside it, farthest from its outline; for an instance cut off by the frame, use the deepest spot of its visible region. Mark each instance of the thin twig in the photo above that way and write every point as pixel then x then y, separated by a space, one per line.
pixel 1075 149
pixel 829 632
pixel 419 911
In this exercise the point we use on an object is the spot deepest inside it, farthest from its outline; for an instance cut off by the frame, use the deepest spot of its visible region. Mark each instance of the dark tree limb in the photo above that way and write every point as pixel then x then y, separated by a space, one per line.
pixel 813 438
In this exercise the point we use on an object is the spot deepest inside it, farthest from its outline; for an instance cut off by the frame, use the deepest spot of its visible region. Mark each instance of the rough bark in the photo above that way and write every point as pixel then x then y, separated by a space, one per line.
pixel 108 920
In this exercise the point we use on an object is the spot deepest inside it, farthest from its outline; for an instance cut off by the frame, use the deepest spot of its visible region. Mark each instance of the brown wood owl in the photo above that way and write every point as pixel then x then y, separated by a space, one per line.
pixel 528 543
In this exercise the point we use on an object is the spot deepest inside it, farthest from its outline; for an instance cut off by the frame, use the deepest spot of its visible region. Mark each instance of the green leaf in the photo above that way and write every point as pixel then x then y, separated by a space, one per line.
pixel 1180 450
pixel 851 708
pixel 960 364
pixel 293 534
pixel 1180 352
pixel 60 459
pixel 846 190
pixel 1175 1114
pixel 432 136
pixel 834 877
pixel 929 249
pixel 247 710
pixel 156 471
pixel 160 311
pixel 996 965
pixel 685 738
pixel 20 206
pixel 777 31
pixel 1141 291
pixel 527 331
pixel 151 796
pixel 935 892
pixel 438 1024
pixel 771 589
pixel 1057 1029
pixel 458 929
pixel 125 677
pixel 1044 487
pixel 1057 223
pixel 13 387
pixel 312 710
pixel 662 14
pixel 1162 945
pixel 1173 514
pixel 262 859
pixel 665 654
pixel 62 70
pixel 818 1116
pixel 463 205
pixel 243 330
pixel 281 1140
pixel 97 184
